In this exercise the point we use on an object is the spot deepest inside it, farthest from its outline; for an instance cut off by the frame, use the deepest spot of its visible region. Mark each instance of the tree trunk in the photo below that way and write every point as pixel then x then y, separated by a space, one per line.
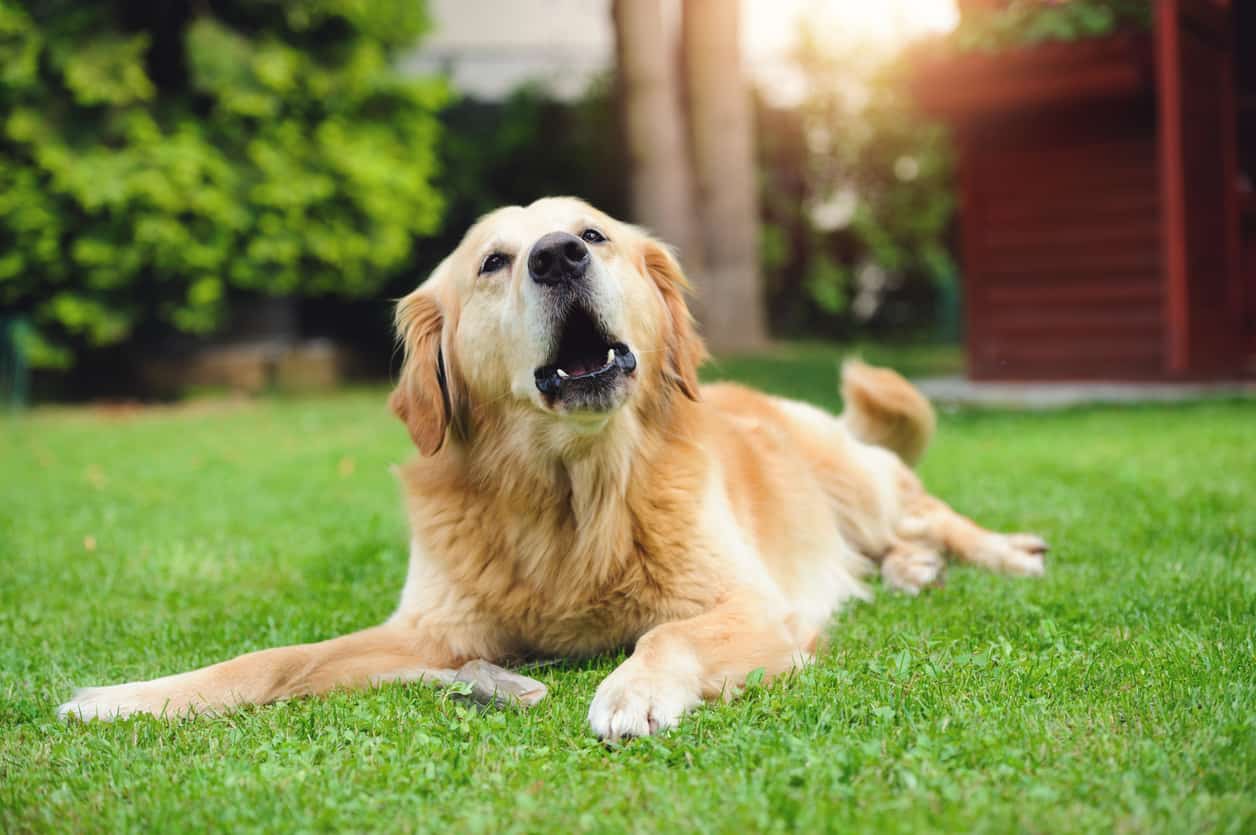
pixel 722 132
pixel 661 182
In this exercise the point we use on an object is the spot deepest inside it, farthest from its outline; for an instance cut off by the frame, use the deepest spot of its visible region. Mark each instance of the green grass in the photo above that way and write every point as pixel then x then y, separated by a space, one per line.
pixel 808 370
pixel 1118 694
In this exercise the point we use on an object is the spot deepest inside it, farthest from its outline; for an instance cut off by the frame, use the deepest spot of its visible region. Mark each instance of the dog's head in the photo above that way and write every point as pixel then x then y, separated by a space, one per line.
pixel 552 313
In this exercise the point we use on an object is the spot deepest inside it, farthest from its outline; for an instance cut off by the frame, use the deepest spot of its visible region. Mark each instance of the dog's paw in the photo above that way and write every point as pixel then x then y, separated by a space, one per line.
pixel 1021 554
pixel 910 571
pixel 115 702
pixel 634 701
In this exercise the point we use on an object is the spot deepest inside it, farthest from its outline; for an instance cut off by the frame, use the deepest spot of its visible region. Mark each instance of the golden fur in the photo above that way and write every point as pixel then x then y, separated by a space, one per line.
pixel 713 529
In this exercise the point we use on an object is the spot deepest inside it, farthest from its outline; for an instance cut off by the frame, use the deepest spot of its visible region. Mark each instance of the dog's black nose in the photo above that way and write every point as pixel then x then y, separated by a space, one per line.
pixel 558 258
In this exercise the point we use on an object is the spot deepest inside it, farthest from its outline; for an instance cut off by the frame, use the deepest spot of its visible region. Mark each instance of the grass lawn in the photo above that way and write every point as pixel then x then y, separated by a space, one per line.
pixel 1118 694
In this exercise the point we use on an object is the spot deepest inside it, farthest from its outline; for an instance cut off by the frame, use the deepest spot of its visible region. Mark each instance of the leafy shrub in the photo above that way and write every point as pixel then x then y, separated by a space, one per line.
pixel 156 158
pixel 857 197
pixel 1026 22
pixel 528 146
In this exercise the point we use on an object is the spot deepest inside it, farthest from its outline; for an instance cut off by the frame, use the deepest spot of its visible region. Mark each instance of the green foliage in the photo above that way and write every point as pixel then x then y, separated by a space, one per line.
pixel 531 145
pixel 156 160
pixel 857 194
pixel 828 283
pixel 1026 22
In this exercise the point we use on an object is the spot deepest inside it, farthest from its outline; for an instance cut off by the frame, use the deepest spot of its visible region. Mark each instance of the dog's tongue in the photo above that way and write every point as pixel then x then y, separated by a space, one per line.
pixel 580 365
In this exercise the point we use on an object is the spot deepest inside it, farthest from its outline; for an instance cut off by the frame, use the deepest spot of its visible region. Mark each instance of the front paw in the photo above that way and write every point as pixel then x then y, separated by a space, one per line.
pixel 1021 554
pixel 115 702
pixel 637 701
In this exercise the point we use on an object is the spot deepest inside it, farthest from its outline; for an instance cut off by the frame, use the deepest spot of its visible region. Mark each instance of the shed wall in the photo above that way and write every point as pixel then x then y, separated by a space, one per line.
pixel 1062 255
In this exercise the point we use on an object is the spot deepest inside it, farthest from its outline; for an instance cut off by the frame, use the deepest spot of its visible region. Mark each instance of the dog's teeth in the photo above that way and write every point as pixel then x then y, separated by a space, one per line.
pixel 562 375
pixel 610 356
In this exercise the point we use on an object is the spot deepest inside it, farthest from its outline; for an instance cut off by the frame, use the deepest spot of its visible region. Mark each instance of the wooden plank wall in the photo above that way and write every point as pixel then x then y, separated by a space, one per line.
pixel 1214 297
pixel 1204 297
pixel 1061 244
pixel 1244 43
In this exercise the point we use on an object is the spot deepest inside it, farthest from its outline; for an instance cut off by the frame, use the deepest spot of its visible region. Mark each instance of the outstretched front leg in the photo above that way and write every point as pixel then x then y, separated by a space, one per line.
pixel 370 657
pixel 677 665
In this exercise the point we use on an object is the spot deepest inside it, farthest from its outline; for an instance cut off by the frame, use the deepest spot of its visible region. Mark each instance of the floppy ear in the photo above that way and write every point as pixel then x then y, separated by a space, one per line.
pixel 421 398
pixel 684 349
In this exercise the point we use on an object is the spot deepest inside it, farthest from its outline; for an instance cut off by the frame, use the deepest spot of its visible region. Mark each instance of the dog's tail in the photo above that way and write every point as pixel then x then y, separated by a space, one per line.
pixel 884 409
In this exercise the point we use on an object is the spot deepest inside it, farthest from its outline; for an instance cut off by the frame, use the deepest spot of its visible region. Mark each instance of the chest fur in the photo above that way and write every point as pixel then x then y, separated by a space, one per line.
pixel 554 573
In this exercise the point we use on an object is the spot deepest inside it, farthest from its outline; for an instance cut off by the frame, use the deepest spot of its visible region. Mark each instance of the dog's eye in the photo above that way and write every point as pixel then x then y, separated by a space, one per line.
pixel 493 263
pixel 592 236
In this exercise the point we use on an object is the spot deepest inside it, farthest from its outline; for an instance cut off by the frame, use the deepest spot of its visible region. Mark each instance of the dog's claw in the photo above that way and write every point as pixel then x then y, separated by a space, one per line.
pixel 1030 542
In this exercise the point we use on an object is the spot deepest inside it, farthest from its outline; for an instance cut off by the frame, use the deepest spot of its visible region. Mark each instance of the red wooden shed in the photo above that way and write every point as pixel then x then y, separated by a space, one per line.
pixel 1108 223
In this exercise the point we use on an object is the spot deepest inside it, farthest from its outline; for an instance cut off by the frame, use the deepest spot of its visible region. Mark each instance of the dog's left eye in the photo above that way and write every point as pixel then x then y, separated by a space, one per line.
pixel 592 236
pixel 493 263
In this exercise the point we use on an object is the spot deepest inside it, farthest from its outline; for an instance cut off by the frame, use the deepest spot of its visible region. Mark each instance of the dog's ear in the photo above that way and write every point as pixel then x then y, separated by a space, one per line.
pixel 684 349
pixel 421 398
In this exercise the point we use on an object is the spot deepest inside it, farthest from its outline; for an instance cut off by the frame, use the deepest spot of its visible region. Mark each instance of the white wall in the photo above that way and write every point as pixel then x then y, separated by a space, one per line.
pixel 490 47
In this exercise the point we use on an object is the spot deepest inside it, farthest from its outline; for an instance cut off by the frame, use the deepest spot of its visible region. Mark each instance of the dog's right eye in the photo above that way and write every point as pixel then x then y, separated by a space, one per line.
pixel 493 263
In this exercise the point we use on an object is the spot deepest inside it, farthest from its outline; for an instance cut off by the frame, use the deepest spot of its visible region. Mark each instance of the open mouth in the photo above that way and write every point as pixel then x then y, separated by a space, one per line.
pixel 586 361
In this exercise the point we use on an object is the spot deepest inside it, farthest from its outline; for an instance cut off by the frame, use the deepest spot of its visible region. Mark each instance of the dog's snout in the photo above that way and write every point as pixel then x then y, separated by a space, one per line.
pixel 558 258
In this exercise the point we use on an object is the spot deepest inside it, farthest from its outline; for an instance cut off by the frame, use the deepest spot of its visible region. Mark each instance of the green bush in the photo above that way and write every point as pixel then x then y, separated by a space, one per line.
pixel 157 158
pixel 530 145
pixel 1027 22
pixel 857 196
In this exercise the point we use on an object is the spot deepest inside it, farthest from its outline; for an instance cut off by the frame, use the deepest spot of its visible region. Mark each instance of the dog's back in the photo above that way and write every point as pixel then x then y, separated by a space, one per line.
pixel 789 465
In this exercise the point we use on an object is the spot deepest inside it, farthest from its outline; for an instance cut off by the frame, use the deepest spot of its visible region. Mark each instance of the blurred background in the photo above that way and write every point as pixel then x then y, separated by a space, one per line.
pixel 226 195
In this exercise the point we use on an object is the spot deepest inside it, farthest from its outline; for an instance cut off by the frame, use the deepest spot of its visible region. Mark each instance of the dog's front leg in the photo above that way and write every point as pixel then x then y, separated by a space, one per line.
pixel 677 665
pixel 370 657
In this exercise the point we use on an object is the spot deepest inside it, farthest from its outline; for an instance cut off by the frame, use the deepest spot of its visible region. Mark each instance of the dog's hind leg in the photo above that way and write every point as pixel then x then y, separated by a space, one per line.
pixel 911 566
pixel 366 658
pixel 930 522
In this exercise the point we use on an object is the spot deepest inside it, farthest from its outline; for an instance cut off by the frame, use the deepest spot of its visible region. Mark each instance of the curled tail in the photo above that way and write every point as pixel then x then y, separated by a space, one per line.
pixel 884 409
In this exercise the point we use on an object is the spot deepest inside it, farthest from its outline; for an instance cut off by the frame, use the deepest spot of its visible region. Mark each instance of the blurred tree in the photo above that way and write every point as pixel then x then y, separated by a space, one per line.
pixel 156 157
pixel 659 171
pixel 693 181
pixel 722 129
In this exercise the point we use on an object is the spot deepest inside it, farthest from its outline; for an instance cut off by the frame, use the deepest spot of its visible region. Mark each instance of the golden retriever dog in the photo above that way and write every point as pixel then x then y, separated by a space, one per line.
pixel 578 491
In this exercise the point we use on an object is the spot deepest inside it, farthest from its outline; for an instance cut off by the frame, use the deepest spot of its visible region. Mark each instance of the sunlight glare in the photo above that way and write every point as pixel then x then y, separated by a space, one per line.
pixel 771 28
pixel 772 25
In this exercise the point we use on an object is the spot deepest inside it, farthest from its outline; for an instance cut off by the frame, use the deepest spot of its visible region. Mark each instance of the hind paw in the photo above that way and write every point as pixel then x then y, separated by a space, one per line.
pixel 1020 554
pixel 910 571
